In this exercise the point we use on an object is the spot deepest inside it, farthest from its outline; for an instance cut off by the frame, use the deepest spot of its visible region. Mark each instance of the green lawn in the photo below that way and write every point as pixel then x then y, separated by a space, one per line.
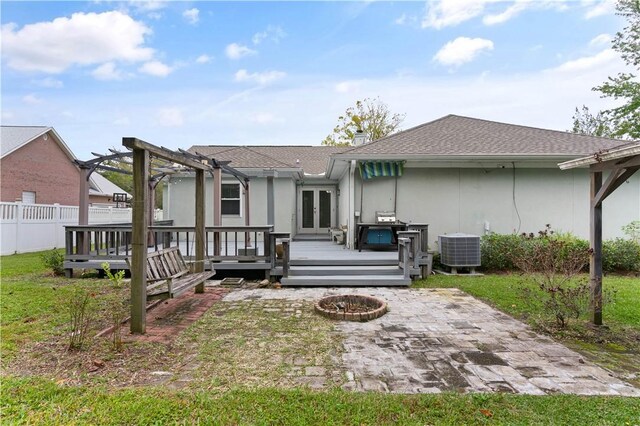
pixel 33 401
pixel 505 293
pixel 31 310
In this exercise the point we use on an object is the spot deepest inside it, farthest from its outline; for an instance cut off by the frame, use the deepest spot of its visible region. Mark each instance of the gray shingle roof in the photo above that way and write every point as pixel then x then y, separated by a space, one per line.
pixel 454 135
pixel 312 159
pixel 13 137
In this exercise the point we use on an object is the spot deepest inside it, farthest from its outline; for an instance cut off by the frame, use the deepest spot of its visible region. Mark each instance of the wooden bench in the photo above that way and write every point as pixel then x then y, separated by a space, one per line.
pixel 168 275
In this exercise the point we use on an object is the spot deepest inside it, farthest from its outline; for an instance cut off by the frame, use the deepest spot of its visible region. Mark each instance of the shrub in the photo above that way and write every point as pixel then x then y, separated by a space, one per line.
pixel 80 307
pixel 620 255
pixel 552 261
pixel 496 251
pixel 53 260
pixel 632 230
pixel 116 304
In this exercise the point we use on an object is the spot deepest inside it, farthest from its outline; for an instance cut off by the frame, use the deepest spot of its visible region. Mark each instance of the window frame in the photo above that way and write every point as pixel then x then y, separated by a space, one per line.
pixel 239 199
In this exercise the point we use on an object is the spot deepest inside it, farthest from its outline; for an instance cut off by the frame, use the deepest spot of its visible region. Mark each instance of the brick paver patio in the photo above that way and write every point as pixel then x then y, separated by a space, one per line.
pixel 435 340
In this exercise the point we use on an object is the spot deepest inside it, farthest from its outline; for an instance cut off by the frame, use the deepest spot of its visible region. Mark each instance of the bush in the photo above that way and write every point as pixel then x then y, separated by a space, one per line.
pixel 53 260
pixel 496 251
pixel 620 255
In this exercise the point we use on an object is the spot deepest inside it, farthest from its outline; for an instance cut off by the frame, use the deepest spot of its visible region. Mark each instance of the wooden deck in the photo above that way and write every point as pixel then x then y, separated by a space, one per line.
pixel 311 262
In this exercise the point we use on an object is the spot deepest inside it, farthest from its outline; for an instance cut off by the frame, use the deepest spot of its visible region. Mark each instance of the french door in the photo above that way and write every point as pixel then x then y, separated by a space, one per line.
pixel 316 210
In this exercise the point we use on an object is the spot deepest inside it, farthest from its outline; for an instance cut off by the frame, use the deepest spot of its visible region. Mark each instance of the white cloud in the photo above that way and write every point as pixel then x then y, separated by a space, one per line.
pixel 401 20
pixel 587 63
pixel 32 99
pixel 445 13
pixel 510 12
pixel 599 8
pixel 203 59
pixel 273 33
pixel 156 69
pixel 601 40
pixel 82 39
pixel 462 50
pixel 237 51
pixel 257 77
pixel 451 12
pixel 170 117
pixel 148 5
pixel 107 71
pixel 191 15
pixel 49 83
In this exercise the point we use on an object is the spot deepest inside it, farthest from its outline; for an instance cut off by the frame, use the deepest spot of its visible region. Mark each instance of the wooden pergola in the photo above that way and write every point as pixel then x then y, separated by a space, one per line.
pixel 620 163
pixel 141 154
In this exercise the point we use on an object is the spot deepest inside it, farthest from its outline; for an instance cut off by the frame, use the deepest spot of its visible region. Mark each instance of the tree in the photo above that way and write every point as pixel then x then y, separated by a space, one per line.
pixel 586 123
pixel 371 116
pixel 125 181
pixel 626 118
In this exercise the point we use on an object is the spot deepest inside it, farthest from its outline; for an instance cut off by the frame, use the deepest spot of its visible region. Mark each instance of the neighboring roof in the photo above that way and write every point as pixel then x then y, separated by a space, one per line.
pixel 311 159
pixel 103 186
pixel 453 135
pixel 14 137
pixel 623 152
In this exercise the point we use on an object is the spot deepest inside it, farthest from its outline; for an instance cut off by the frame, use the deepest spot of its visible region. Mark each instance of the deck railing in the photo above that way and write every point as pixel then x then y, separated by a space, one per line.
pixel 112 243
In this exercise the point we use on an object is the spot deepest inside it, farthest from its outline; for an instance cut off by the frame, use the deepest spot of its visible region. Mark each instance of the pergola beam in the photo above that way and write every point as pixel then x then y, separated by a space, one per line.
pixel 135 143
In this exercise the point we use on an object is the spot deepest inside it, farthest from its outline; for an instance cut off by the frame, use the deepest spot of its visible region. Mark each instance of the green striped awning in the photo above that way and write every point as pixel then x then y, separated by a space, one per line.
pixel 372 169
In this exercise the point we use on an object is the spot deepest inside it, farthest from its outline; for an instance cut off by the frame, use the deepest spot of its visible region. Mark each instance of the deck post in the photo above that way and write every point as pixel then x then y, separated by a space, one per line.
pixel 595 232
pixel 140 228
pixel 200 227
pixel 247 220
pixel 217 207
pixel 270 199
pixel 351 225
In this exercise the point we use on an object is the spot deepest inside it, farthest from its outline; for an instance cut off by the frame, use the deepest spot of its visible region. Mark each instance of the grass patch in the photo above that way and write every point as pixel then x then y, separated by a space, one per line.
pixel 505 293
pixel 261 343
pixel 616 346
pixel 21 264
pixel 28 401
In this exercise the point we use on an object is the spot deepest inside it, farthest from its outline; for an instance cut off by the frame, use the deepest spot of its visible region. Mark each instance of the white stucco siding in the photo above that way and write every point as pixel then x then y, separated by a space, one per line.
pixel 470 199
pixel 181 203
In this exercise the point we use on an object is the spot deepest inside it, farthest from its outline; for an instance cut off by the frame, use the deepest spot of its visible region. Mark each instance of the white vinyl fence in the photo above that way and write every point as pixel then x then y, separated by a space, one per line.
pixel 33 227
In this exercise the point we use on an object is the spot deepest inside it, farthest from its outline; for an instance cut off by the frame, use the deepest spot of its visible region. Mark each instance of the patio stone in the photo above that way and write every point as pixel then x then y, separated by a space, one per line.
pixel 435 340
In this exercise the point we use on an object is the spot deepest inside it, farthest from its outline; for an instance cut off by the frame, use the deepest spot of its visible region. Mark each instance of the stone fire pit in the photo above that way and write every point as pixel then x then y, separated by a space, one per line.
pixel 351 307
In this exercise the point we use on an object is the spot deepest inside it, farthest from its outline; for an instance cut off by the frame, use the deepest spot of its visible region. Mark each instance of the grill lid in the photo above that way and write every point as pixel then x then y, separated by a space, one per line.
pixel 385 217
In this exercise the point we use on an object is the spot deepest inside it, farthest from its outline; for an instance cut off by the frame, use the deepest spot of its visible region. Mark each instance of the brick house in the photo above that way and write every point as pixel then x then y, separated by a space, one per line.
pixel 38 167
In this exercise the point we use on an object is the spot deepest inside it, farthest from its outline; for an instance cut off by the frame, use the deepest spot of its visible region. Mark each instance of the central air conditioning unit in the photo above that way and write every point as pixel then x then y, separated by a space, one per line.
pixel 459 250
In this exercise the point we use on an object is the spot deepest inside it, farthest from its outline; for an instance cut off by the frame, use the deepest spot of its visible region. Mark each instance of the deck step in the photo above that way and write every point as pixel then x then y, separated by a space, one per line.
pixel 347 281
pixel 344 270
pixel 344 262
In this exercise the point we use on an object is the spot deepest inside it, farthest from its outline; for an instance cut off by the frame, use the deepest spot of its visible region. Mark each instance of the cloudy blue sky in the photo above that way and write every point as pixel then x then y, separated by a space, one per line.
pixel 180 73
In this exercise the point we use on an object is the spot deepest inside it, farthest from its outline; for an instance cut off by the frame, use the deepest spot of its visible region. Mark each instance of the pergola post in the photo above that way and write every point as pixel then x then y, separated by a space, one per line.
pixel 621 162
pixel 151 210
pixel 83 208
pixel 200 226
pixel 595 237
pixel 139 240
pixel 217 207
